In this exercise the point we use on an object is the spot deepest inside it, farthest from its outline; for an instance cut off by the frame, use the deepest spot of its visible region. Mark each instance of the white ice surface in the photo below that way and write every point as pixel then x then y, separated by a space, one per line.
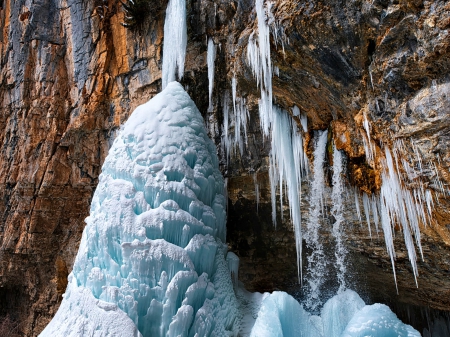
pixel 377 320
pixel 81 314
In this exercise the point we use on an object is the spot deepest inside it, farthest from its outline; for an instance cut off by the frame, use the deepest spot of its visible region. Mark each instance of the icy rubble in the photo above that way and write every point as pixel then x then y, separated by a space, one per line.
pixel 152 253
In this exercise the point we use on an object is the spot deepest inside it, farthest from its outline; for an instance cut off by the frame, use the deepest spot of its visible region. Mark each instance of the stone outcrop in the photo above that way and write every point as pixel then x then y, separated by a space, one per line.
pixel 71 74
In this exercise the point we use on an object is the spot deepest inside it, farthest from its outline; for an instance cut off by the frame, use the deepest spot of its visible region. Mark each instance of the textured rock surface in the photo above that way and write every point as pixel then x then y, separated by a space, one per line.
pixel 70 75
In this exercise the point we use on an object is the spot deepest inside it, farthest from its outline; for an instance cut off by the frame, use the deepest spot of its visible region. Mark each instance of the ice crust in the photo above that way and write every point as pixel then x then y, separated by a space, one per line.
pixel 152 253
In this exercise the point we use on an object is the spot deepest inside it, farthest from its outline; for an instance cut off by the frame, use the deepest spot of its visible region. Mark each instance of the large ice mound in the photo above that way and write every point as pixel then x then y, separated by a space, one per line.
pixel 344 315
pixel 152 253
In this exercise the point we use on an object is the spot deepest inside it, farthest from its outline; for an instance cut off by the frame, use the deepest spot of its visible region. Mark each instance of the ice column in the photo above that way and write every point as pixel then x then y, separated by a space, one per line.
pixel 337 212
pixel 316 260
pixel 152 254
pixel 175 40
pixel 211 59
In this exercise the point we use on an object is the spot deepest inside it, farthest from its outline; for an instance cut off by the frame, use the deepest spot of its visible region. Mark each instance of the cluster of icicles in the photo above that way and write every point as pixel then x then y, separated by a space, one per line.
pixel 394 204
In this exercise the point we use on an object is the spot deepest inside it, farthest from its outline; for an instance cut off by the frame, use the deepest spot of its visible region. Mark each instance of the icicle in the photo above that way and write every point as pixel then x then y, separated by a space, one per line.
pixel 366 205
pixel 375 212
pixel 175 40
pixel 399 206
pixel 276 71
pixel 304 122
pixel 358 210
pixel 286 170
pixel 316 260
pixel 368 146
pixel 337 212
pixel 258 56
pixel 225 128
pixel 236 119
pixel 429 200
pixel 211 59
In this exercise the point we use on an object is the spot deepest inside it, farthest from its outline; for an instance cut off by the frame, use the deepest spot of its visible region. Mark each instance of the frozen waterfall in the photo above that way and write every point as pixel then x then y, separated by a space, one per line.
pixel 338 213
pixel 175 41
pixel 316 260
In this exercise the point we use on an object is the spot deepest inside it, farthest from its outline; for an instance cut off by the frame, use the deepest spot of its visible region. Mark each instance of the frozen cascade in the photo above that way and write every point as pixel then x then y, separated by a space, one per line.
pixel 316 260
pixel 338 213
pixel 211 57
pixel 286 169
pixel 175 40
pixel 152 253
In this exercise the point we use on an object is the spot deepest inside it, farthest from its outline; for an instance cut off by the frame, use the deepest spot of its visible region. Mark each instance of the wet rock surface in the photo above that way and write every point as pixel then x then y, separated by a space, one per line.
pixel 71 74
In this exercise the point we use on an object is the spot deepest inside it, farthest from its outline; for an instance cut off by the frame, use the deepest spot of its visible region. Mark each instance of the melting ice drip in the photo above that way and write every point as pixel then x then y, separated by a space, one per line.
pixel 175 40
pixel 316 260
pixel 152 253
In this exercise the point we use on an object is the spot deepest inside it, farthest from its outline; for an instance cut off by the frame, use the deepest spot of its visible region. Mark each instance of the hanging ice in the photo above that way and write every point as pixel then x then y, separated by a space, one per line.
pixel 258 57
pixel 211 56
pixel 151 254
pixel 234 121
pixel 316 260
pixel 399 206
pixel 287 166
pixel 175 40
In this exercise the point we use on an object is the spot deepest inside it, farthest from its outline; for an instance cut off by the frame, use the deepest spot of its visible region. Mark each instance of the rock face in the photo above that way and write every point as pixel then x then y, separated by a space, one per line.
pixel 71 74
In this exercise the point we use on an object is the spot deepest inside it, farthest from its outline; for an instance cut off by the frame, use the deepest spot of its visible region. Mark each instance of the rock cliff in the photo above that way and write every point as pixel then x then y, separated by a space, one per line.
pixel 71 73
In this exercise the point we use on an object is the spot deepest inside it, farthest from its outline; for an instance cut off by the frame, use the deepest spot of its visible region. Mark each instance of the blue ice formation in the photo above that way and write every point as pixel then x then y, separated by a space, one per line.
pixel 152 254
pixel 344 315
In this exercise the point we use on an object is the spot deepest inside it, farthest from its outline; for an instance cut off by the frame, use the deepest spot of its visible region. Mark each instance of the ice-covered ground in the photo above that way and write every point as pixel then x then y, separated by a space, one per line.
pixel 152 260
